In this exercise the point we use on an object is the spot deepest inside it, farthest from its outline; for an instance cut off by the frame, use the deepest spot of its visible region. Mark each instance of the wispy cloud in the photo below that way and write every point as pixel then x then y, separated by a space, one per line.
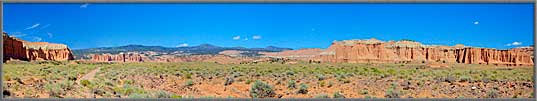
pixel 33 26
pixel 84 5
pixel 182 45
pixel 237 38
pixel 49 34
pixel 255 37
pixel 514 44
pixel 37 39
pixel 45 26
pixel 18 34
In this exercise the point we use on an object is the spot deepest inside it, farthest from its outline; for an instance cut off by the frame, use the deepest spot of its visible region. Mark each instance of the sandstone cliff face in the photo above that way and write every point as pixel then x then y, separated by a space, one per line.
pixel 355 51
pixel 13 48
pixel 22 50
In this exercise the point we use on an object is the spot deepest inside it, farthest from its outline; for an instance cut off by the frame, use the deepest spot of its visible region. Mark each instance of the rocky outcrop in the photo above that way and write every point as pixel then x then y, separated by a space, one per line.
pixel 22 50
pixel 355 51
pixel 117 58
pixel 301 54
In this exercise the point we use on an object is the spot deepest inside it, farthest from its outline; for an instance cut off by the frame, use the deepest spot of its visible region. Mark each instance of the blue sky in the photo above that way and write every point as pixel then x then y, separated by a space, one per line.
pixel 295 26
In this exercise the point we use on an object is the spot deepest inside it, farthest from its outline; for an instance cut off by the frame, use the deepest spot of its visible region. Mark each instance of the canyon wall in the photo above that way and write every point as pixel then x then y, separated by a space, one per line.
pixel 16 49
pixel 359 51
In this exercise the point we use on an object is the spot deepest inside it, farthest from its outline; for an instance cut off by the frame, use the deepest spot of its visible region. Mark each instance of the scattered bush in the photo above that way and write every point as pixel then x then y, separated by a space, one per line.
pixel 248 81
pixel 163 94
pixel 364 92
pixel 391 93
pixel 322 96
pixel 322 83
pixel 136 95
pixel 189 83
pixel 290 73
pixel 130 82
pixel 330 84
pixel 85 82
pixel 493 94
pixel 176 96
pixel 338 95
pixel 261 90
pixel 321 77
pixel 188 76
pixel 464 79
pixel 291 84
pixel 303 89
pixel 99 92
pixel 229 81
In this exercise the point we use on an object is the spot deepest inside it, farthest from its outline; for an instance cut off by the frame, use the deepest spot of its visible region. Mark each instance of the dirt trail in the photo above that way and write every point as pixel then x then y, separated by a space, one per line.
pixel 89 76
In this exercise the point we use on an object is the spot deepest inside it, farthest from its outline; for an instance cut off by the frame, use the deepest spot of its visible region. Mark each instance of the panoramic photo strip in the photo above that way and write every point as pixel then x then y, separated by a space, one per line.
pixel 268 51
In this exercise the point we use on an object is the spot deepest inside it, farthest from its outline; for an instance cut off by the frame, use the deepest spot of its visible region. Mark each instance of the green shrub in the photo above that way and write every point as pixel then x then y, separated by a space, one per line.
pixel 322 96
pixel 163 94
pixel 229 81
pixel 177 96
pixel 338 95
pixel 330 84
pixel 261 90
pixel 291 84
pixel 290 73
pixel 55 90
pixel 322 83
pixel 136 95
pixel 130 82
pixel 189 83
pixel 464 79
pixel 493 94
pixel 188 76
pixel 391 93
pixel 364 92
pixel 248 81
pixel 85 83
pixel 321 77
pixel 303 89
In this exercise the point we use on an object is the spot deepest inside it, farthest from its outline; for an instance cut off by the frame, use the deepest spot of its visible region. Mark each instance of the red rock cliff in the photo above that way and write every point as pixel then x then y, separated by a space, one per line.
pixel 354 51
pixel 22 50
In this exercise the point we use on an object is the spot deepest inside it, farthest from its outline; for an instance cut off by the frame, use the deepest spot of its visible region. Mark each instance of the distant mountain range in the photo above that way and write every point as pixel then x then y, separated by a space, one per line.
pixel 196 50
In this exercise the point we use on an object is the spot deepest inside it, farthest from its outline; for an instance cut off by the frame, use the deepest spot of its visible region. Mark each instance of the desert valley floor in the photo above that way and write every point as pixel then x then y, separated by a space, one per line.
pixel 74 79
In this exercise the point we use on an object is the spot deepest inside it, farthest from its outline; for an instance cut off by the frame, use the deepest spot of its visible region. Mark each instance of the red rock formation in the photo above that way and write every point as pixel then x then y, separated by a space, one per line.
pixel 301 54
pixel 117 58
pixel 353 51
pixel 13 48
pixel 22 50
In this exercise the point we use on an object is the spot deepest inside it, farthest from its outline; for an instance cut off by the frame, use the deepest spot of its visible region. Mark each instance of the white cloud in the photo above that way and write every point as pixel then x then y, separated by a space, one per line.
pixel 18 34
pixel 33 26
pixel 182 45
pixel 245 38
pixel 45 26
pixel 84 5
pixel 49 34
pixel 476 22
pixel 37 39
pixel 236 37
pixel 255 37
pixel 514 44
